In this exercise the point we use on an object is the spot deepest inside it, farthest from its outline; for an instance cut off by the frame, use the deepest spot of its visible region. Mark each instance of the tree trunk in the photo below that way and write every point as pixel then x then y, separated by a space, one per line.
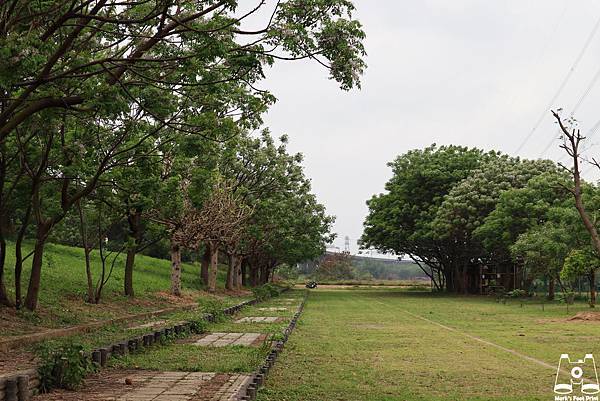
pixel 253 275
pixel 19 258
pixel 593 289
pixel 18 273
pixel 244 273
pixel 128 279
pixel 465 279
pixel 448 274
pixel 212 274
pixel 4 300
pixel 237 279
pixel 175 268
pixel 91 297
pixel 205 262
pixel 135 236
pixel 33 290
pixel 264 274
pixel 91 293
pixel 229 284
pixel 551 288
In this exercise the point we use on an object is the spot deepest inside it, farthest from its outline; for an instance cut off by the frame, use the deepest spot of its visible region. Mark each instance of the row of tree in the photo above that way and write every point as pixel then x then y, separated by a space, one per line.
pixel 134 117
pixel 476 220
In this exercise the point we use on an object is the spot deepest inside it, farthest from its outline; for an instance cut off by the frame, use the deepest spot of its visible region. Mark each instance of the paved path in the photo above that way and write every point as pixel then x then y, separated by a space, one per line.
pixel 258 319
pixel 155 386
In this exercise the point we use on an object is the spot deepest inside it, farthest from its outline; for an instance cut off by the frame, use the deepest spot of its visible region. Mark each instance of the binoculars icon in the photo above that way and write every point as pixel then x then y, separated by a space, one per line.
pixel 580 372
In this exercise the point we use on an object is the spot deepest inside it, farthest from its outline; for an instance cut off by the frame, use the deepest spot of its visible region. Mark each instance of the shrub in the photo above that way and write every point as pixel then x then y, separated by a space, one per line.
pixel 517 293
pixel 568 297
pixel 260 293
pixel 215 307
pixel 265 291
pixel 62 366
pixel 288 272
pixel 198 325
pixel 272 289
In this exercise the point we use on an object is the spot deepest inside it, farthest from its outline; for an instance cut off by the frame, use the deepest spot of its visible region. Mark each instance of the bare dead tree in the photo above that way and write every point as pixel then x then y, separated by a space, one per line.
pixel 221 223
pixel 572 140
pixel 218 223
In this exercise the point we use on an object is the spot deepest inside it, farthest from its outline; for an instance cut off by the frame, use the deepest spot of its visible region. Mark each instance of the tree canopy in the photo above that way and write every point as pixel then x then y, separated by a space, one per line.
pixel 477 221
pixel 143 106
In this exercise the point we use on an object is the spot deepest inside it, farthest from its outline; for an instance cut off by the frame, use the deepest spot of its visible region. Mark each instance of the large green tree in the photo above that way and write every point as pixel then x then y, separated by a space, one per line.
pixel 400 220
pixel 466 207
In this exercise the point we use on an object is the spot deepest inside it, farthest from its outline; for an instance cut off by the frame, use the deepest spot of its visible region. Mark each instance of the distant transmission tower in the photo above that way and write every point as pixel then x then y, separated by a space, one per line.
pixel 347 244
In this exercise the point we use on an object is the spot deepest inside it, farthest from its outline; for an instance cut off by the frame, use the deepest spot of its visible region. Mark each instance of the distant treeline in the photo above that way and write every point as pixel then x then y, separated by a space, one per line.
pixel 347 267
pixel 383 269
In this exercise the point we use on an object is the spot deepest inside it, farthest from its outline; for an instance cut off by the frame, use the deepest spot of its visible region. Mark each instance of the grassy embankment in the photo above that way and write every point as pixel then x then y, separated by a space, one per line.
pixel 63 291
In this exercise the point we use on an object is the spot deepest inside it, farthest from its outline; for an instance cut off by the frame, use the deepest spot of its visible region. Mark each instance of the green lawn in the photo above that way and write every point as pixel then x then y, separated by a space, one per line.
pixel 374 345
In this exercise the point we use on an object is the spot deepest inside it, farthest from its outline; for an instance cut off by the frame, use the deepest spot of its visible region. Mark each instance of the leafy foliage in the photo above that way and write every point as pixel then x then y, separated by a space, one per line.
pixel 336 266
pixel 122 103
pixel 62 366
pixel 458 212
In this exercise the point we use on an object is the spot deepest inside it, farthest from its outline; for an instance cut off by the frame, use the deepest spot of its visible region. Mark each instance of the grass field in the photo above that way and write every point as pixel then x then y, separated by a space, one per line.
pixel 390 344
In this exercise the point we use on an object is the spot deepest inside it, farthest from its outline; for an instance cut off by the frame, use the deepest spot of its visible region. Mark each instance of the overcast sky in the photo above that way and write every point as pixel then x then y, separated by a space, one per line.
pixel 477 73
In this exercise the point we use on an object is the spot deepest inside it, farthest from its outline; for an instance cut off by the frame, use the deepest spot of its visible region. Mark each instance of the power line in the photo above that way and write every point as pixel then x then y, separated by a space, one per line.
pixel 545 44
pixel 579 102
pixel 562 85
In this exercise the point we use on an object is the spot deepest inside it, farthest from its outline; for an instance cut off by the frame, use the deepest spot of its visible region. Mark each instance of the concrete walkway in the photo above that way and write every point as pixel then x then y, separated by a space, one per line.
pixel 155 386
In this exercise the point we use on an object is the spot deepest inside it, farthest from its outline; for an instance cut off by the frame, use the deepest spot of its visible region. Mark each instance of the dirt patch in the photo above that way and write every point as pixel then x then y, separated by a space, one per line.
pixel 259 341
pixel 11 362
pixel 207 392
pixel 13 323
pixel 585 317
pixel 185 298
pixel 582 317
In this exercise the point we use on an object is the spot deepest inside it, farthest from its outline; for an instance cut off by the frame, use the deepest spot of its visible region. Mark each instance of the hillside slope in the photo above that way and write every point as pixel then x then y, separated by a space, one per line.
pixel 63 290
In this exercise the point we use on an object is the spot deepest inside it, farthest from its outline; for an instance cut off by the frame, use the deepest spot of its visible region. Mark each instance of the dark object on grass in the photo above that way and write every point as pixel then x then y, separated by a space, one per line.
pixel 311 284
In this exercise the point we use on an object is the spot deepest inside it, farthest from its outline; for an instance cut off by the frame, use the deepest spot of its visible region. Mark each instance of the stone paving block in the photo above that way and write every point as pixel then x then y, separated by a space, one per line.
pixel 221 343
pixel 258 319
pixel 247 339
pixel 225 339
pixel 273 309
pixel 232 336
pixel 157 386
